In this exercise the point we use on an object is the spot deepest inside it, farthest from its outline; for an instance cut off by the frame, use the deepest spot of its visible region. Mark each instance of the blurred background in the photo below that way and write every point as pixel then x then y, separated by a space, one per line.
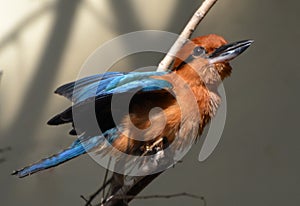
pixel 43 45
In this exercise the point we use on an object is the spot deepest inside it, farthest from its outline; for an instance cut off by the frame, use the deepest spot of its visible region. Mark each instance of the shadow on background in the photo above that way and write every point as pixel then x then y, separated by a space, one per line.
pixel 39 90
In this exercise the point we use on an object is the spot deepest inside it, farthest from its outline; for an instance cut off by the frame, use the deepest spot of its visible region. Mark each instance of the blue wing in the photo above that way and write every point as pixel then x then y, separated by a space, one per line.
pixel 99 89
pixel 109 83
pixel 83 85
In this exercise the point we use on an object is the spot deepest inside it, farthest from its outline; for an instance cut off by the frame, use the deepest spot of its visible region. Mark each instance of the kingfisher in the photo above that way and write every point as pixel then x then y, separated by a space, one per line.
pixel 186 96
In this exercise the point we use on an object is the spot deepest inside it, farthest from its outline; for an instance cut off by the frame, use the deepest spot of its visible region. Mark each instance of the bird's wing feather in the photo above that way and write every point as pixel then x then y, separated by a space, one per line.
pixel 82 85
pixel 95 85
pixel 100 93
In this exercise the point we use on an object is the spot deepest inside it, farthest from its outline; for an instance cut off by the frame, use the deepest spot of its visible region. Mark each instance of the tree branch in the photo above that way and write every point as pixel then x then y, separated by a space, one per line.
pixel 144 197
pixel 165 64
pixel 95 194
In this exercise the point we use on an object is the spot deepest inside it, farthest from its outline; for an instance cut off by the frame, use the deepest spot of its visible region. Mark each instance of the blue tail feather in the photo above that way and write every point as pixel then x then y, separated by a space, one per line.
pixel 76 149
pixel 52 161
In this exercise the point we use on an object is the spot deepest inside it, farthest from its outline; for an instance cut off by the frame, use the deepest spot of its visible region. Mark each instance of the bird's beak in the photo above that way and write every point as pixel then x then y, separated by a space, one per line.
pixel 229 51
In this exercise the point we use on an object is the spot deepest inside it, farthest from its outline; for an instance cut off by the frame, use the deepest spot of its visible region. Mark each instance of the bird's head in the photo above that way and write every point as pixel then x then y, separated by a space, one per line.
pixel 209 56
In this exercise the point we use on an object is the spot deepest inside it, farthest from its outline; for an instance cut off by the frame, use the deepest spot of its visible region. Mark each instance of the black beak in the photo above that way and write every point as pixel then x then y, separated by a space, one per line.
pixel 229 51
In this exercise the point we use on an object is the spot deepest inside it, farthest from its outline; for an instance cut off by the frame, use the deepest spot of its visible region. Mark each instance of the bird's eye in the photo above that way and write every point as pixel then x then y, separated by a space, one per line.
pixel 198 51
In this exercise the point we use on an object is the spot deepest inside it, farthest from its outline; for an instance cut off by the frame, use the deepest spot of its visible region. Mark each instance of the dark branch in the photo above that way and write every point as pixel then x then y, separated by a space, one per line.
pixel 144 197
pixel 93 196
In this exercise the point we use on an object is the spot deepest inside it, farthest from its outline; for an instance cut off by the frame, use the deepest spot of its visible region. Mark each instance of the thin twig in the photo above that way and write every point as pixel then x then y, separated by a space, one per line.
pixel 160 196
pixel 92 197
pixel 165 64
pixel 102 188
pixel 144 197
pixel 105 178
pixel 86 200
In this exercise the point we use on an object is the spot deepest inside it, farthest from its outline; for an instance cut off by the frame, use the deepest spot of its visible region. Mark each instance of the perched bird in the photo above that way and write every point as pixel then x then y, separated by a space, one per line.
pixel 187 97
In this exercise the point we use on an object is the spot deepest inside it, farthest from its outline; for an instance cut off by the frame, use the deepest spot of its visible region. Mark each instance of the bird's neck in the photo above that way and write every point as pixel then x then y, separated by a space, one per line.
pixel 208 99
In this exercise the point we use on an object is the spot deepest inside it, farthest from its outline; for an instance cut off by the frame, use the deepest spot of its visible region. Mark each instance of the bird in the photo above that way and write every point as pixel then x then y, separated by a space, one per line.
pixel 186 96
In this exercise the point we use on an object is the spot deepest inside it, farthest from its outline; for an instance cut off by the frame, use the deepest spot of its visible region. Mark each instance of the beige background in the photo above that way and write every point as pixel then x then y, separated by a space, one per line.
pixel 44 43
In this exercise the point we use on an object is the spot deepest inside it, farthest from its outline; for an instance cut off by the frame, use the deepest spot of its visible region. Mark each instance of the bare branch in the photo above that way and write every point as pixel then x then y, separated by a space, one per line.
pixel 144 197
pixel 165 64
pixel 93 196
pixel 86 200
pixel 105 178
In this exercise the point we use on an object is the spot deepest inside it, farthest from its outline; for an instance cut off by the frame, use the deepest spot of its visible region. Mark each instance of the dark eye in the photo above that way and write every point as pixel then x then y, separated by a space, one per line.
pixel 198 51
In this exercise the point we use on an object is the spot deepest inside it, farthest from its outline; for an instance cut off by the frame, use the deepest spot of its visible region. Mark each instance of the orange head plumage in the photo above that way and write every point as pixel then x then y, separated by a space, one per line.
pixel 209 45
